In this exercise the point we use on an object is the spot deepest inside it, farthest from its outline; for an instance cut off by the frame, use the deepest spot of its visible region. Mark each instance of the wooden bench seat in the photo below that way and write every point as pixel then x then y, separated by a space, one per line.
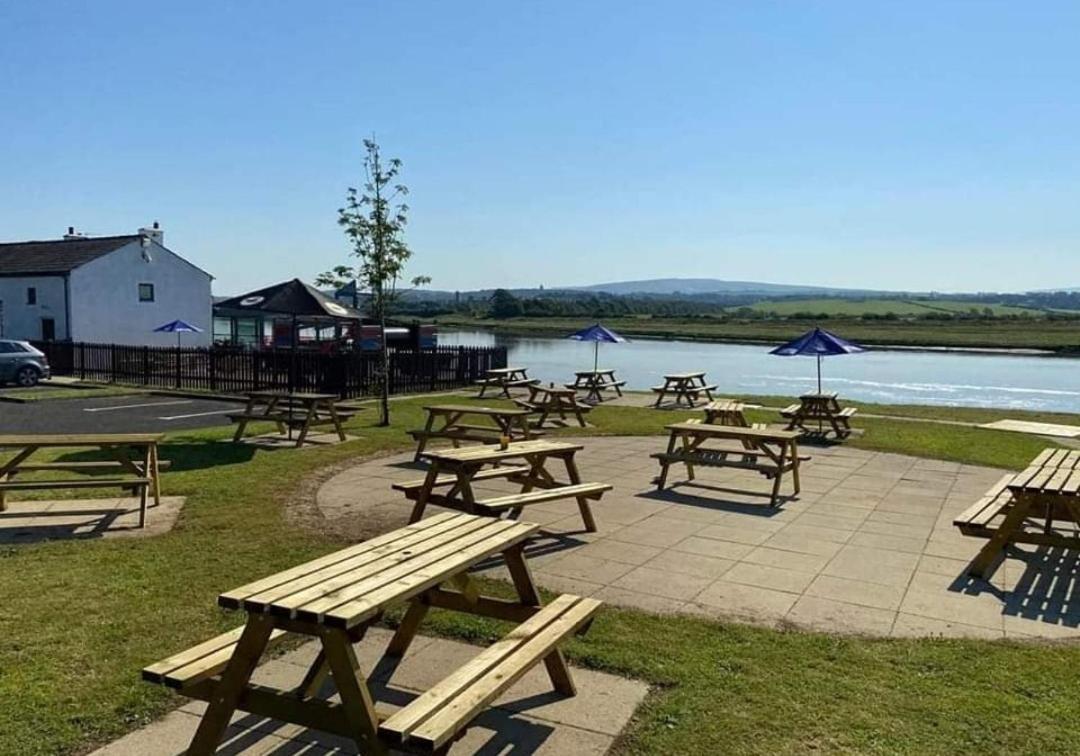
pixel 103 465
pixel 199 662
pixel 439 716
pixel 412 487
pixel 516 501
pixel 975 520
pixel 848 412
pixel 790 410
pixel 44 485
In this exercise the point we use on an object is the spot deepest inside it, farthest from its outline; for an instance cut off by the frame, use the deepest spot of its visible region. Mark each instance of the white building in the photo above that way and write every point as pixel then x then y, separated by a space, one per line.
pixel 105 290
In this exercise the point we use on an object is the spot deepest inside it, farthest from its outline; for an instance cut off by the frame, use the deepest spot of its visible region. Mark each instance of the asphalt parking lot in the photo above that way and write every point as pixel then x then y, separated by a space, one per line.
pixel 135 413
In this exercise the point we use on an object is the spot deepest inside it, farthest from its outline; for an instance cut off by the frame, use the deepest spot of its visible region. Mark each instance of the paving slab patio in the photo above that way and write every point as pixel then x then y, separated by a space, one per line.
pixel 868 546
pixel 528 718
pixel 33 520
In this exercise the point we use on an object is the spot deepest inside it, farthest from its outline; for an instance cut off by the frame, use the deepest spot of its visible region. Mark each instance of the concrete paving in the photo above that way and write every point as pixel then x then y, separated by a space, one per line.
pixel 30 521
pixel 528 718
pixel 868 547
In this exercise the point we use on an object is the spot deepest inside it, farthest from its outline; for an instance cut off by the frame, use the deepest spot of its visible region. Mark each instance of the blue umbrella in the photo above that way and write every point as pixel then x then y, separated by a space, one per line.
pixel 817 343
pixel 596 334
pixel 178 327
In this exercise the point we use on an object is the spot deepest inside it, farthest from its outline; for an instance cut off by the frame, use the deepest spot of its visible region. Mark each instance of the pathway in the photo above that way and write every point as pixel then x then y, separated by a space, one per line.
pixel 868 547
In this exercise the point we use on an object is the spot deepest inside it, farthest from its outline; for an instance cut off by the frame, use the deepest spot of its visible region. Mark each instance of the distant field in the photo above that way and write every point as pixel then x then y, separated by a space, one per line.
pixel 900 307
pixel 1062 336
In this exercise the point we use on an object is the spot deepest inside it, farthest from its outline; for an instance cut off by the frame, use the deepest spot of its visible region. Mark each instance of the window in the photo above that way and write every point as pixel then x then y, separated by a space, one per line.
pixel 31 295
pixel 146 292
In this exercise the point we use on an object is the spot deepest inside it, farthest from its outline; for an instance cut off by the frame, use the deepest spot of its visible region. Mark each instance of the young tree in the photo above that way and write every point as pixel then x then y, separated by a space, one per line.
pixel 374 221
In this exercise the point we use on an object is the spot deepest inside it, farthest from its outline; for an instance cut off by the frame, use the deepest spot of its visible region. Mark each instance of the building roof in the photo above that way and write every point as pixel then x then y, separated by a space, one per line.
pixel 290 298
pixel 57 256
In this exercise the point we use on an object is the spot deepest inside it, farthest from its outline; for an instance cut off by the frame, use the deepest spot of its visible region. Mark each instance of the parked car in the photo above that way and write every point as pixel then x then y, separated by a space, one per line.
pixel 22 364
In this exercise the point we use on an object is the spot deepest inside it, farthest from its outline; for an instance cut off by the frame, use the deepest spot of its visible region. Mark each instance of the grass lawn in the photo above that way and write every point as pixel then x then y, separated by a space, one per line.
pixel 1035 333
pixel 46 391
pixel 901 307
pixel 80 618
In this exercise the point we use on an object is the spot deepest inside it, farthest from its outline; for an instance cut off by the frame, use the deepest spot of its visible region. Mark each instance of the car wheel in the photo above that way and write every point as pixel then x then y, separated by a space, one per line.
pixel 27 377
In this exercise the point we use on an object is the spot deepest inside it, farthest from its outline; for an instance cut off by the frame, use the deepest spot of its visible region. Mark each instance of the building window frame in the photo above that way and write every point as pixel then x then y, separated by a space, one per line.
pixel 31 296
pixel 147 294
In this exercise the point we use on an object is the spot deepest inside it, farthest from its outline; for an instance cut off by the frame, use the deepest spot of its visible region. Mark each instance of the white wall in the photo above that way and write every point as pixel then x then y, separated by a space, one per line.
pixel 105 306
pixel 23 321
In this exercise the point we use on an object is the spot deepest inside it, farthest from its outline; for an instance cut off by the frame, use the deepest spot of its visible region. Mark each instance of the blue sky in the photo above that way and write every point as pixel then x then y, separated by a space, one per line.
pixel 873 144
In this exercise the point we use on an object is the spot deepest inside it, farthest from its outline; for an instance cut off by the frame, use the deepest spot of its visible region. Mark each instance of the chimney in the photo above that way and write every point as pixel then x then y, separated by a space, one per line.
pixel 71 234
pixel 154 233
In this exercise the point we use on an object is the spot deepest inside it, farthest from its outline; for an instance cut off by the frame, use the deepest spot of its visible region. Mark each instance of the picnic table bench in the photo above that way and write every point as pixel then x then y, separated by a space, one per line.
pixel 545 401
pixel 769 452
pixel 819 408
pixel 445 421
pixel 336 598
pixel 457 469
pixel 505 379
pixel 595 382
pixel 726 412
pixel 1025 507
pixel 685 387
pixel 134 465
pixel 291 410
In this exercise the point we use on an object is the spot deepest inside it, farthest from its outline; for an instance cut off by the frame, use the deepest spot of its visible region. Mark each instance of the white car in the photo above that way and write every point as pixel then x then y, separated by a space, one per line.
pixel 21 363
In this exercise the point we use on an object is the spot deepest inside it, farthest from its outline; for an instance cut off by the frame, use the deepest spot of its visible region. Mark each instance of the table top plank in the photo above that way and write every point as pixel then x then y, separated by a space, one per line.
pixel 509 533
pixel 79 439
pixel 473 410
pixel 684 376
pixel 367 571
pixel 728 431
pixel 506 370
pixel 234 599
pixel 302 396
pixel 591 373
pixel 490 453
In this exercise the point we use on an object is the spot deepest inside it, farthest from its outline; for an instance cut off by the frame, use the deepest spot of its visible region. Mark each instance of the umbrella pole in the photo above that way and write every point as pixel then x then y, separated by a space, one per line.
pixel 596 356
pixel 820 422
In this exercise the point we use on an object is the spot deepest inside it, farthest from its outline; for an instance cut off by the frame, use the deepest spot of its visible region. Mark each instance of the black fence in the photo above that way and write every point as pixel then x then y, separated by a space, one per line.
pixel 231 370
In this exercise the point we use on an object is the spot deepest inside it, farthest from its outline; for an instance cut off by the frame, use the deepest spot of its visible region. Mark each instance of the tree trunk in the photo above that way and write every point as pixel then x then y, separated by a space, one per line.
pixel 384 388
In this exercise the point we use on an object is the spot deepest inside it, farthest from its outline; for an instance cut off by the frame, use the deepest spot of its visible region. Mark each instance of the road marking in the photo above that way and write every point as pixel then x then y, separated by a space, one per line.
pixel 198 414
pixel 132 406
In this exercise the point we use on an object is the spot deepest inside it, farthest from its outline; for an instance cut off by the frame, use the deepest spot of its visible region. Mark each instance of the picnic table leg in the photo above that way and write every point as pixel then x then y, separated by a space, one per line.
pixel 661 480
pixel 424 492
pixel 8 469
pixel 233 681
pixel 271 406
pixel 794 447
pixel 357 703
pixel 422 443
pixel 779 475
pixel 583 504
pixel 406 631
pixel 994 547
pixel 242 423
pixel 308 417
pixel 337 420
pixel 555 662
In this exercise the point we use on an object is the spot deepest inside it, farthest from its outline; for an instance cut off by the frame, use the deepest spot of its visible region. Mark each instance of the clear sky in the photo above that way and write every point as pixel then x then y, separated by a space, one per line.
pixel 911 145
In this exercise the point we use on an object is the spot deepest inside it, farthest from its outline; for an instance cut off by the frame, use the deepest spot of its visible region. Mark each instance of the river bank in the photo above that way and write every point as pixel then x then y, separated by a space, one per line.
pixel 1021 337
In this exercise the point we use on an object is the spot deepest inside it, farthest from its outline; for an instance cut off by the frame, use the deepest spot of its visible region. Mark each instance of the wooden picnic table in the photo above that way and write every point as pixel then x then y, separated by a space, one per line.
pixel 290 410
pixel 545 401
pixel 445 421
pixel 819 409
pixel 134 463
pixel 336 598
pixel 685 387
pixel 456 470
pixel 505 379
pixel 1040 505
pixel 726 412
pixel 595 382
pixel 769 452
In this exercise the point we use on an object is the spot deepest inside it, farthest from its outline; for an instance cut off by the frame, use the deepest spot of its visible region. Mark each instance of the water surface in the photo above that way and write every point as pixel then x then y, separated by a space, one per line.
pixel 895 377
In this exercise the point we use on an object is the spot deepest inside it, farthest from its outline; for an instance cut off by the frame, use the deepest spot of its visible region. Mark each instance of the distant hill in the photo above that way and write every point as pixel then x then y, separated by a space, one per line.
pixel 668 286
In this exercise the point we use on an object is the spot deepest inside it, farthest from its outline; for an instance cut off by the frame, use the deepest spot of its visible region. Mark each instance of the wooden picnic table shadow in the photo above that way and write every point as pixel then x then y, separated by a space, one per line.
pixel 671 495
pixel 510 732
pixel 1047 591
pixel 38 532
pixel 183 457
pixel 542 544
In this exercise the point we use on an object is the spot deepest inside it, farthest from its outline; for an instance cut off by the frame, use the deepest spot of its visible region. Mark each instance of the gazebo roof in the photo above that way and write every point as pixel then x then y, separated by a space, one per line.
pixel 294 298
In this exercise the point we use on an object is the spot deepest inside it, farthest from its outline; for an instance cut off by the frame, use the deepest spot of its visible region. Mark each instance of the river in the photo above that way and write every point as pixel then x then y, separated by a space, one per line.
pixel 887 376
